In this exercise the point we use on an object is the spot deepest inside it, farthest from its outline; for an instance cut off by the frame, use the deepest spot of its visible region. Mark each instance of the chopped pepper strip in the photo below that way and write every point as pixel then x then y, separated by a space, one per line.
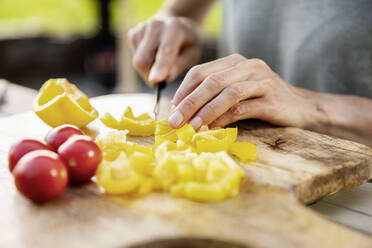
pixel 117 177
pixel 142 163
pixel 199 192
pixel 211 145
pixel 227 135
pixel 165 131
pixel 244 150
pixel 142 125
pixel 113 143
pixel 186 133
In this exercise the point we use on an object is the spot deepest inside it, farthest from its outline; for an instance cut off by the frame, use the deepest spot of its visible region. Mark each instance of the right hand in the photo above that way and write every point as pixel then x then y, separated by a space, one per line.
pixel 164 47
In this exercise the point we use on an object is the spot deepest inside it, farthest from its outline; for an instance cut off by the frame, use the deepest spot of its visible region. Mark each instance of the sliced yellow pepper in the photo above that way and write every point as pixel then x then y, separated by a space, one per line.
pixel 164 131
pixel 60 102
pixel 114 143
pixel 244 150
pixel 199 192
pixel 142 163
pixel 201 166
pixel 142 125
pixel 185 172
pixel 117 177
pixel 227 135
pixel 166 172
pixel 148 185
pixel 211 145
pixel 214 140
pixel 186 133
pixel 185 163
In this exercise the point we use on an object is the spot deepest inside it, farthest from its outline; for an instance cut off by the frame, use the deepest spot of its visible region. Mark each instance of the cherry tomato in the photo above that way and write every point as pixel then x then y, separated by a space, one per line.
pixel 41 176
pixel 81 156
pixel 22 147
pixel 57 136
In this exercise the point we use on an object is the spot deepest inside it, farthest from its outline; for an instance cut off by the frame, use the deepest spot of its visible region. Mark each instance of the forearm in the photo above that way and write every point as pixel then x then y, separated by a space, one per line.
pixel 196 10
pixel 345 116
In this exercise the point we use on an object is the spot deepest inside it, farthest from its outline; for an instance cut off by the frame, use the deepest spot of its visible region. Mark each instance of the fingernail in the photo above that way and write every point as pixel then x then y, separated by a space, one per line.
pixel 196 122
pixel 175 119
pixel 156 75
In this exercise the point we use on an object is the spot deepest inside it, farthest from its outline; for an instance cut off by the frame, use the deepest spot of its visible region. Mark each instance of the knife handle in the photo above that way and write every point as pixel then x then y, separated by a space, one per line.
pixel 161 85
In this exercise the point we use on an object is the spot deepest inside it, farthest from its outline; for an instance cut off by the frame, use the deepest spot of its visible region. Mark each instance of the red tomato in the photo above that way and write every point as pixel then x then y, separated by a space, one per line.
pixel 22 147
pixel 82 157
pixel 41 176
pixel 57 136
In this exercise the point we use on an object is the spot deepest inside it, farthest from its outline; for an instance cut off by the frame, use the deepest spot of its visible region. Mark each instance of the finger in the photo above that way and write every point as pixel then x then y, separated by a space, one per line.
pixel 249 109
pixel 198 73
pixel 229 97
pixel 211 87
pixel 188 57
pixel 169 48
pixel 145 54
pixel 135 35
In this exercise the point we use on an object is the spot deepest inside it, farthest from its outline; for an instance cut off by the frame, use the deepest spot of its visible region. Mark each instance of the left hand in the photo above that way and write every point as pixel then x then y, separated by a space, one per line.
pixel 234 88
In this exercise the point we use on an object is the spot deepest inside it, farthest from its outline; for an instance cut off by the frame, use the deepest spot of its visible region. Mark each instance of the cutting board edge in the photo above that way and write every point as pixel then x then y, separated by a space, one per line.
pixel 333 181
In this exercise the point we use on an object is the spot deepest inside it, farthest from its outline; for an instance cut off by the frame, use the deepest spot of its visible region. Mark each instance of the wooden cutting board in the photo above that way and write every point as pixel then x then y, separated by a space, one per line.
pixel 294 167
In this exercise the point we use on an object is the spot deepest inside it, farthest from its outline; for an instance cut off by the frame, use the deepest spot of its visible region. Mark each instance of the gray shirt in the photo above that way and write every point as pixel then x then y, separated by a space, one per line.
pixel 322 45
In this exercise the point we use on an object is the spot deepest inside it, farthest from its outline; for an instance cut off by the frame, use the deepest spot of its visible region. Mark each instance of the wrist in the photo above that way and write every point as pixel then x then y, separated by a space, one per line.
pixel 333 116
pixel 321 115
pixel 344 116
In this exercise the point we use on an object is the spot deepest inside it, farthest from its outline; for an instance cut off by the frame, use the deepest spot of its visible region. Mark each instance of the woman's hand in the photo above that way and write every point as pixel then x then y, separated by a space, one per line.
pixel 164 47
pixel 235 88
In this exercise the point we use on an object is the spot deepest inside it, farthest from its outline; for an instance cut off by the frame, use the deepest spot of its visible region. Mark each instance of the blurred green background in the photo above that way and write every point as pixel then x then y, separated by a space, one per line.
pixel 77 17
pixel 81 40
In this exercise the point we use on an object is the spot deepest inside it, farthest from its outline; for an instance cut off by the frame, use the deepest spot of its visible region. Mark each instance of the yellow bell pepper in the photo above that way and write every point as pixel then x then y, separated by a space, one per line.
pixel 201 166
pixel 60 102
pixel 117 177
pixel 222 179
pixel 185 172
pixel 199 192
pixel 114 143
pixel 229 162
pixel 148 185
pixel 164 131
pixel 142 125
pixel 227 135
pixel 166 172
pixel 244 150
pixel 141 163
pixel 211 145
pixel 216 172
pixel 214 140
pixel 186 133
pixel 169 147
pixel 185 163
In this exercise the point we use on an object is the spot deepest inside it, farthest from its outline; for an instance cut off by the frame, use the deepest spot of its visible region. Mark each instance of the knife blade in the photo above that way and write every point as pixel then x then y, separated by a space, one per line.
pixel 158 89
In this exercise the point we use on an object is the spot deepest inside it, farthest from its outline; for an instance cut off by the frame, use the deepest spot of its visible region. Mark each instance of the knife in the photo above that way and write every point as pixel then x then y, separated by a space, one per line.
pixel 158 89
